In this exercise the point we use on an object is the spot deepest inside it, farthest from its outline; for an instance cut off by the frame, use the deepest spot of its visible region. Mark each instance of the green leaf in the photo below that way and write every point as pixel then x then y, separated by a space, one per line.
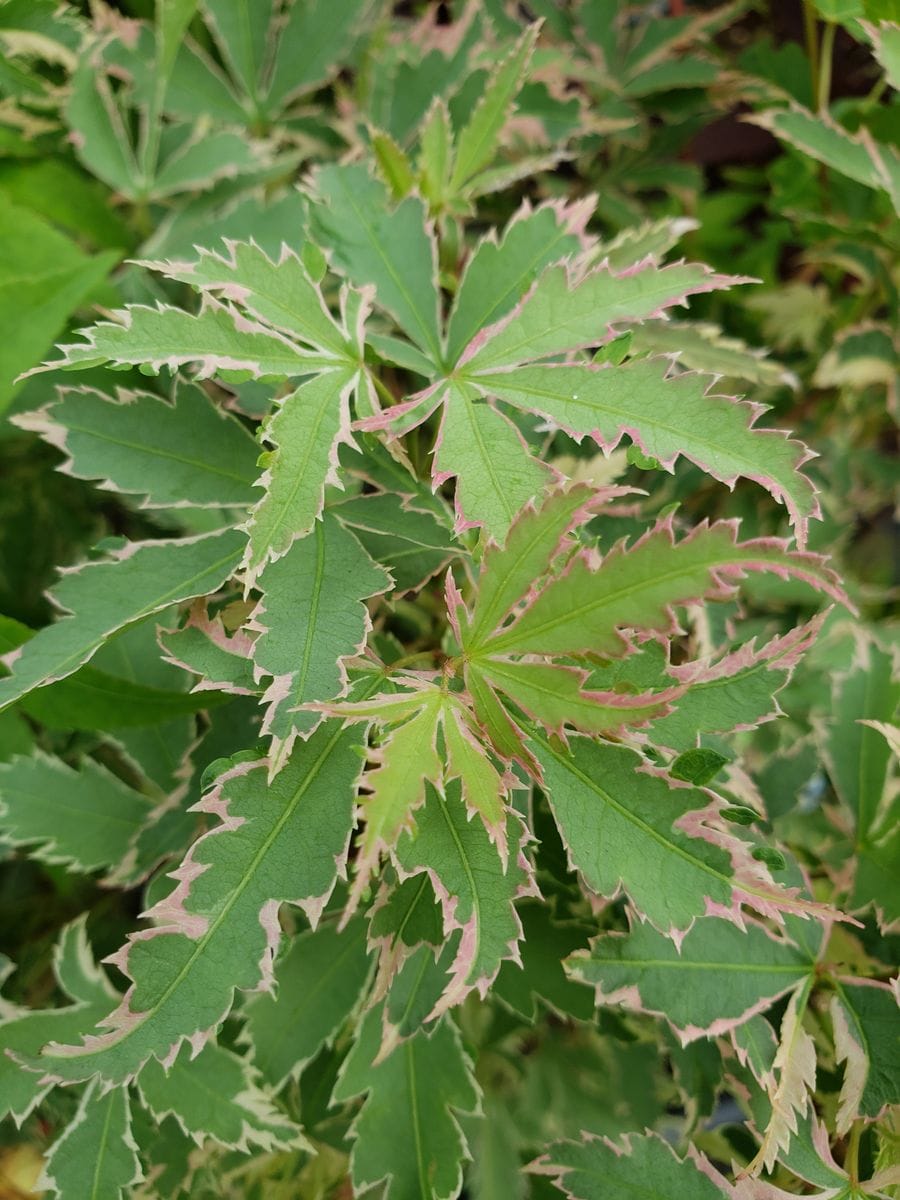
pixel 477 883
pixel 666 418
pixel 540 976
pixel 181 454
pixel 626 829
pixel 510 570
pixel 279 294
pixel 216 339
pixel 555 696
pixel 413 544
pixel 305 428
pixel 310 619
pixel 497 474
pixel 417 1088
pixel 415 991
pixel 44 278
pixel 477 140
pixel 561 314
pixel 218 930
pixel 866 1024
pixel 315 40
pixel 498 273
pixel 640 1168
pixel 85 819
pixel 858 758
pixel 719 976
pixel 704 347
pixel 372 244
pixel 25 1031
pixel 203 647
pixel 103 597
pixel 582 610
pixel 319 982
pixel 216 1095
pixel 858 156
pixel 96 1157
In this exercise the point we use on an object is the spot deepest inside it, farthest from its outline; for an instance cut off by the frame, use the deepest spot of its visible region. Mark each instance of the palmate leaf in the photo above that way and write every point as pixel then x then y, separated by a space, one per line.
pixel 640 1168
pixel 96 1157
pixel 218 931
pixel 318 983
pixel 418 1087
pixel 103 597
pixel 186 453
pixel 311 618
pixel 85 819
pixel 521 314
pixel 717 979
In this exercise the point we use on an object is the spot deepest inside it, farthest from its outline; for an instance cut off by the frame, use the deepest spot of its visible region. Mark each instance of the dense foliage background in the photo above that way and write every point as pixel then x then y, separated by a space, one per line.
pixel 466 1009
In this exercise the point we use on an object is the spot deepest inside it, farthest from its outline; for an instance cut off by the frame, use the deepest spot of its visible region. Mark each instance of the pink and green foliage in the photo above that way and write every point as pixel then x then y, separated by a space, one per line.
pixel 458 710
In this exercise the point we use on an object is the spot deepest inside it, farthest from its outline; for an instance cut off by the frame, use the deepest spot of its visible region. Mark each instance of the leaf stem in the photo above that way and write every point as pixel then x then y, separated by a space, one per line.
pixel 851 1161
pixel 826 59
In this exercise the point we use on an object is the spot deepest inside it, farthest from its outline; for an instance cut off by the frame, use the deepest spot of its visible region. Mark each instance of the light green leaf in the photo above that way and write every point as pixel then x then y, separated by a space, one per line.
pixel 556 696
pixel 580 611
pixel 103 597
pixel 305 429
pixel 653 240
pixel 96 1157
pixel 885 37
pixel 101 138
pixel 477 141
pixel 394 165
pixel 372 244
pixel 280 294
pixel 242 29
pixel 704 347
pixel 417 1088
pixel 216 340
pixel 319 982
pixel 216 932
pixel 477 883
pixel 216 1095
pixel 85 819
pixel 436 153
pixel 719 976
pixel 180 454
pixel 559 314
pixel 510 571
pixel 310 619
pixel 496 472
pixel 498 273
pixel 638 1169
pixel 666 418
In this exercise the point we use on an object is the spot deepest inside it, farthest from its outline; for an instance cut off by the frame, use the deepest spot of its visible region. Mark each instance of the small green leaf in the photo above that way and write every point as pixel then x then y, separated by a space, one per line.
pixel 96 1157
pixel 698 766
